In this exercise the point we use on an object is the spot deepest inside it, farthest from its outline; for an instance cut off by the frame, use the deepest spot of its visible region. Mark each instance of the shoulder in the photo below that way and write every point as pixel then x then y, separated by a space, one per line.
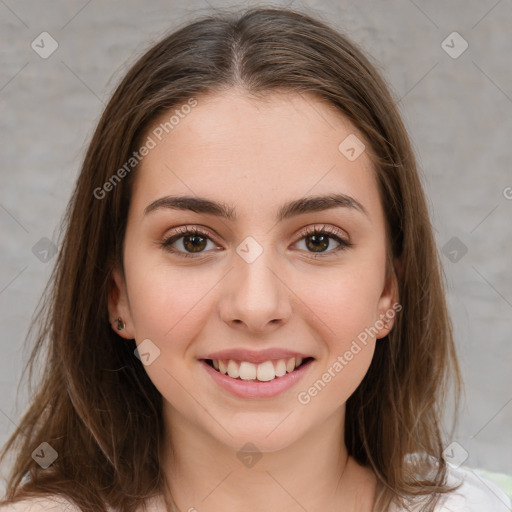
pixel 54 503
pixel 58 503
pixel 475 494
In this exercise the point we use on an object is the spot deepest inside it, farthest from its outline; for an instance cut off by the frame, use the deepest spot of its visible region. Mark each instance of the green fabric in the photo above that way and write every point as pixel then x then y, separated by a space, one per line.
pixel 500 479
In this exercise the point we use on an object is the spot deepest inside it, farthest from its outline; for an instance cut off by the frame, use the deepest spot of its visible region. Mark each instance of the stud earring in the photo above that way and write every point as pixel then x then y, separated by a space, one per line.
pixel 120 324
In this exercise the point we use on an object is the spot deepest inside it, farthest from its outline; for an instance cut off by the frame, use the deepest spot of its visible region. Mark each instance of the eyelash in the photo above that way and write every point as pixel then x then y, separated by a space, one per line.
pixel 193 231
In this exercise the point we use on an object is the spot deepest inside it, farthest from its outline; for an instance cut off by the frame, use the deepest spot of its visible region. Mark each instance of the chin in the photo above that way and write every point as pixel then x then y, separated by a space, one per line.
pixel 266 436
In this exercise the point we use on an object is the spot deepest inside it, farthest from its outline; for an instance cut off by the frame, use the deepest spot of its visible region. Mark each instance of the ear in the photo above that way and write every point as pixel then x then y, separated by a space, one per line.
pixel 119 305
pixel 388 304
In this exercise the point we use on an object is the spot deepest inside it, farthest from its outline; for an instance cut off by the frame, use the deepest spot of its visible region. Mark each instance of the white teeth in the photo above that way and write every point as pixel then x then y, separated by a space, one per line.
pixel 266 371
pixel 233 370
pixel 247 371
pixel 263 372
pixel 280 368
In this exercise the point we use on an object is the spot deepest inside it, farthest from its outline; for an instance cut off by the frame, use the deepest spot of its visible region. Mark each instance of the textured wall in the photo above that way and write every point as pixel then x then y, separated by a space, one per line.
pixel 456 102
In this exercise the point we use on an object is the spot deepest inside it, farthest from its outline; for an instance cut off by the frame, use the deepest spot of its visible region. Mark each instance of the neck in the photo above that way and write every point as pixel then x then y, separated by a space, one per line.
pixel 313 473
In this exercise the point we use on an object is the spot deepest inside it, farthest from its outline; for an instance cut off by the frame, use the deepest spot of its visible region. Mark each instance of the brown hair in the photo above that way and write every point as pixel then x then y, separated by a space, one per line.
pixel 95 404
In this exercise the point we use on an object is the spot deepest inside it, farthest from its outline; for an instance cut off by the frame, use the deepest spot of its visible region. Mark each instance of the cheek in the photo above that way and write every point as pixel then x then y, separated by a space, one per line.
pixel 344 301
pixel 169 307
pixel 342 315
pixel 168 304
pixel 341 310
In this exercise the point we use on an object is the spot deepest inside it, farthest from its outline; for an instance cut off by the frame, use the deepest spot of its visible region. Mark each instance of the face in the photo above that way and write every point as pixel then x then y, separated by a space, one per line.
pixel 257 286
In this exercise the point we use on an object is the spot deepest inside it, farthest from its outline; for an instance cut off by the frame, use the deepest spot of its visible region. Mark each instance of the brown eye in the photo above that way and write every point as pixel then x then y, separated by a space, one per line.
pixel 318 243
pixel 318 240
pixel 193 241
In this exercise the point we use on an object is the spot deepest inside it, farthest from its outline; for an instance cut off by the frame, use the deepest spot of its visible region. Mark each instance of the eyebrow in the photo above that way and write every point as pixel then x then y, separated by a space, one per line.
pixel 291 209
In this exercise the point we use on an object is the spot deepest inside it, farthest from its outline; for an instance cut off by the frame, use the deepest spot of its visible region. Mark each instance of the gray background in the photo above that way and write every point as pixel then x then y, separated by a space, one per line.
pixel 458 112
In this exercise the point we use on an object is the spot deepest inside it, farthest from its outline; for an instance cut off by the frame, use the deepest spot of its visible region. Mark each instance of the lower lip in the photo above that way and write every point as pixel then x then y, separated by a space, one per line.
pixel 256 389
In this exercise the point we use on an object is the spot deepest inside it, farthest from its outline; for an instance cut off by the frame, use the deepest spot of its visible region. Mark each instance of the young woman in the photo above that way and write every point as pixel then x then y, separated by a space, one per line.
pixel 247 310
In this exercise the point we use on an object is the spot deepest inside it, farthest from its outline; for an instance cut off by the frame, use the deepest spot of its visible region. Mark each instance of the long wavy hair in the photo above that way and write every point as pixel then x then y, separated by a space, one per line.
pixel 94 402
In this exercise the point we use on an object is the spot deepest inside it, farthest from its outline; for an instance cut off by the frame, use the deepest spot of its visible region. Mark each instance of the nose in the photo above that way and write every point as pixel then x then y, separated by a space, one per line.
pixel 255 297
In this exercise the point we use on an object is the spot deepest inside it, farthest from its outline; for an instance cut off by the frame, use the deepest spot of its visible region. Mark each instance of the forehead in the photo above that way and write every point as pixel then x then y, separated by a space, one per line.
pixel 254 152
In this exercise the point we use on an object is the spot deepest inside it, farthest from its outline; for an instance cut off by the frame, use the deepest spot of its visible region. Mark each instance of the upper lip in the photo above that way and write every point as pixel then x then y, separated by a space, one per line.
pixel 252 356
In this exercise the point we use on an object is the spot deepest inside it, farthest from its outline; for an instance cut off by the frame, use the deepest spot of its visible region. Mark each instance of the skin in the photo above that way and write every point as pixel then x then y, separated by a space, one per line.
pixel 256 155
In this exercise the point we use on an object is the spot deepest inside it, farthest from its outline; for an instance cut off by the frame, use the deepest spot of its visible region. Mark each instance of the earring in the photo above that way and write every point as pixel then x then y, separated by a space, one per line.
pixel 120 324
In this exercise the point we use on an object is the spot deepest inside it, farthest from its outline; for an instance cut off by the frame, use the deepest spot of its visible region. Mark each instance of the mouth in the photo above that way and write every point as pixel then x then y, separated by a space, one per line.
pixel 266 371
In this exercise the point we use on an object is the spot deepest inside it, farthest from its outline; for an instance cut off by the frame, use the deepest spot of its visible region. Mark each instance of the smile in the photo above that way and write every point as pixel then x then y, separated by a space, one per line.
pixel 263 372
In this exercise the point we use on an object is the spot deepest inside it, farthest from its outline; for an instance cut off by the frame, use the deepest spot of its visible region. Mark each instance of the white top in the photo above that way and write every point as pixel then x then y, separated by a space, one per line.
pixel 476 494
